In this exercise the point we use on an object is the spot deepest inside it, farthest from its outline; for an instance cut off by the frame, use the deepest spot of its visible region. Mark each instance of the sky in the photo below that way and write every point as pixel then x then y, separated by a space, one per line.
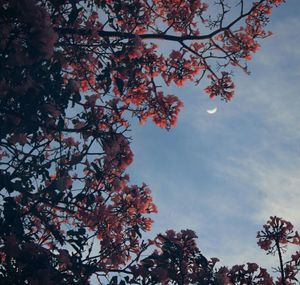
pixel 223 175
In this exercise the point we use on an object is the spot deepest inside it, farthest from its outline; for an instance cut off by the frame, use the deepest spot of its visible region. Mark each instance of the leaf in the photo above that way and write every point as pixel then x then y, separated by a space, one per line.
pixel 99 174
pixel 81 231
pixel 90 199
pixel 74 14
pixel 114 280
pixel 70 233
pixel 120 84
pixel 137 230
pixel 79 197
pixel 76 98
pixel 60 124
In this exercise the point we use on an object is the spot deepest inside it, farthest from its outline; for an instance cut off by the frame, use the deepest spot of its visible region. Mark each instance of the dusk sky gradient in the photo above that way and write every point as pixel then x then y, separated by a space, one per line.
pixel 223 175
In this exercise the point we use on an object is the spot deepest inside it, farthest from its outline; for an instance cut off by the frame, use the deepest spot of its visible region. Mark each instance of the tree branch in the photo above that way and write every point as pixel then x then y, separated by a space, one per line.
pixel 158 36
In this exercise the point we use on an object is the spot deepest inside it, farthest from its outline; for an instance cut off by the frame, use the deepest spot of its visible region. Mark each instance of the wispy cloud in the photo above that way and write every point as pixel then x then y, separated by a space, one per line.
pixel 223 175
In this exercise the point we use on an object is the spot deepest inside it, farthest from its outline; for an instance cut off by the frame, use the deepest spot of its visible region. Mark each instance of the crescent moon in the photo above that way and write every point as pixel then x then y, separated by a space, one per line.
pixel 212 111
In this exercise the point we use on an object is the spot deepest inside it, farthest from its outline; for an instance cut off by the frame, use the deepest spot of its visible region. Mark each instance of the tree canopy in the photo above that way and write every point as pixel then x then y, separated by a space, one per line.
pixel 72 75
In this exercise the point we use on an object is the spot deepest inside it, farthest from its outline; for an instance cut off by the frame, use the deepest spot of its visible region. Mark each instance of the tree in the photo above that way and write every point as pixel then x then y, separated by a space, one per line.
pixel 177 260
pixel 72 73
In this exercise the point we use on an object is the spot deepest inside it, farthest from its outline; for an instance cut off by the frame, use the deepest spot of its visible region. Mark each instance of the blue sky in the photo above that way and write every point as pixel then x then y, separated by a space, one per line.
pixel 223 175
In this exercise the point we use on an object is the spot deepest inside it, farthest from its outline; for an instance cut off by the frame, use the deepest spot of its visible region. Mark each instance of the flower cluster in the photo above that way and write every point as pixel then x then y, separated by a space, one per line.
pixel 277 232
pixel 222 86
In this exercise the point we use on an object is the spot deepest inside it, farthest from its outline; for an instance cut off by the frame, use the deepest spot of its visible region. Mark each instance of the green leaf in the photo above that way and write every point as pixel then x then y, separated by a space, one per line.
pixel 120 84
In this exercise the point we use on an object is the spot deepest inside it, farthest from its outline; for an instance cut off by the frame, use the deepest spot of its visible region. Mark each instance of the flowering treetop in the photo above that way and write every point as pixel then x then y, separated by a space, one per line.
pixel 72 72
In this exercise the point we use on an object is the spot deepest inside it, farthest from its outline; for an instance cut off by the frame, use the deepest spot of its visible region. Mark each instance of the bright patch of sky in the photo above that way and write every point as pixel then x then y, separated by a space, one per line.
pixel 223 175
